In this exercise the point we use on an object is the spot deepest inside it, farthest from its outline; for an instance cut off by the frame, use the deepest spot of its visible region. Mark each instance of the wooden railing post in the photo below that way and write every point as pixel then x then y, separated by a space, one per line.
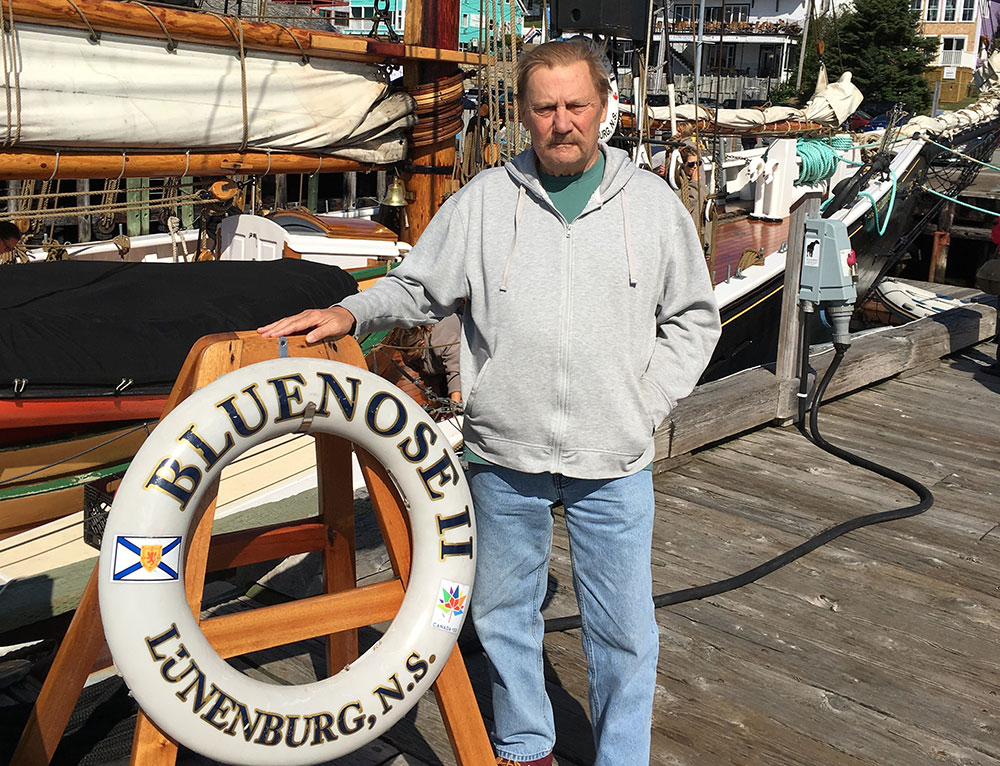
pixel 789 351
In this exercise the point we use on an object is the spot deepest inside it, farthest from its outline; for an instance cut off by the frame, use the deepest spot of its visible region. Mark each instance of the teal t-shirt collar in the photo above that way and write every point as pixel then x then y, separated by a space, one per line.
pixel 570 194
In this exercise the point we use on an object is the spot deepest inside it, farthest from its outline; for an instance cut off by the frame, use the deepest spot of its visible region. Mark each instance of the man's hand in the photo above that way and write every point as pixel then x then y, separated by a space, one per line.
pixel 334 323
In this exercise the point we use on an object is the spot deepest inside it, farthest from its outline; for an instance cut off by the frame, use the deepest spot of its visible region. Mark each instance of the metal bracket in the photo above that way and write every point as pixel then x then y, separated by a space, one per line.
pixel 307 418
pixel 382 16
pixel 283 348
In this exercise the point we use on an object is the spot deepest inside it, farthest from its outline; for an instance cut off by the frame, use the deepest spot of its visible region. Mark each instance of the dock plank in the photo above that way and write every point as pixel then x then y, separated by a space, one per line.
pixel 880 648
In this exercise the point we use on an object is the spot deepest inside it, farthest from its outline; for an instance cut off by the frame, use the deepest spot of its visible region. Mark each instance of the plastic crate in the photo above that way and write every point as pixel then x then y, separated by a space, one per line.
pixel 97 498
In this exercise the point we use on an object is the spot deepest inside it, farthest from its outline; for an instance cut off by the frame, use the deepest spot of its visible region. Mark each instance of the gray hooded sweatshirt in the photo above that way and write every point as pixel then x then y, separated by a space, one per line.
pixel 578 338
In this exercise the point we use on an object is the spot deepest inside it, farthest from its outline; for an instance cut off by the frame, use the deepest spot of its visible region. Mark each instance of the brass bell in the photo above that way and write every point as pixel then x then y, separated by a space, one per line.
pixel 395 195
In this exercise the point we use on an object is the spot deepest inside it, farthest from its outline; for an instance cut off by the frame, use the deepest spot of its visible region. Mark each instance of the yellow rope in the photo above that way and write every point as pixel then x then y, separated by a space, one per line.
pixel 185 199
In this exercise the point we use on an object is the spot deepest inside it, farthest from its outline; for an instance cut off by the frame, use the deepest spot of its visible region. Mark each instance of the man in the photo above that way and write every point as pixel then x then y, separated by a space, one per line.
pixel 589 313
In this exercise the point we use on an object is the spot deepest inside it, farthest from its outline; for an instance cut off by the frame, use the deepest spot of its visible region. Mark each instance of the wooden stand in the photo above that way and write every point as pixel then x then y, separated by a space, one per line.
pixel 337 614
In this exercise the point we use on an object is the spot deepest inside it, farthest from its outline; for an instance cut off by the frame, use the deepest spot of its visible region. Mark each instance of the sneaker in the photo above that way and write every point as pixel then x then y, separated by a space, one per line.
pixel 543 761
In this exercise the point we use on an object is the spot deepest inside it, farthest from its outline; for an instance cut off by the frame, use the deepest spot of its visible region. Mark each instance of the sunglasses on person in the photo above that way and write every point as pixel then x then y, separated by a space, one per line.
pixel 694 164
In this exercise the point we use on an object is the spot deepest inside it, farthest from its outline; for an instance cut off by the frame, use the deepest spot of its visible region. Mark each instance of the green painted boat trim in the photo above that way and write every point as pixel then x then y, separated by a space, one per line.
pixel 370 341
pixel 373 271
pixel 68 482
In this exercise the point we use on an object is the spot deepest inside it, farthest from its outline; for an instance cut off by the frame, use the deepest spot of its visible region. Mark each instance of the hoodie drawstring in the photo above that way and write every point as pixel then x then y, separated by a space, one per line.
pixel 513 244
pixel 628 239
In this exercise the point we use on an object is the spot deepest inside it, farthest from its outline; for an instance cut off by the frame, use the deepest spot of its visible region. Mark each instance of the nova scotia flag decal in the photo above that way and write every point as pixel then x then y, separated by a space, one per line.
pixel 146 559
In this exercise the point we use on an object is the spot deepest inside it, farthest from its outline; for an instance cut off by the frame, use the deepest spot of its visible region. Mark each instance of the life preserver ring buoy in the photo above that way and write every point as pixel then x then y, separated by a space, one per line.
pixel 610 122
pixel 179 681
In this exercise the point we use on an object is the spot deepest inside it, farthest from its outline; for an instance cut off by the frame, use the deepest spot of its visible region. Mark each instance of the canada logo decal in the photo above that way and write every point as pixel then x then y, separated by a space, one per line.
pixel 451 606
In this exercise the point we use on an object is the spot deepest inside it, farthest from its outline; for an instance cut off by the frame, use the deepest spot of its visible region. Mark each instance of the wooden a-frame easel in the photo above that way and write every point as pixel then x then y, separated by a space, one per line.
pixel 334 614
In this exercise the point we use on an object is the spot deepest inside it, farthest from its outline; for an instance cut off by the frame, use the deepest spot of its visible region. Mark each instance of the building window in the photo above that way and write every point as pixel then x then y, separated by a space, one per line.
pixel 682 13
pixel 932 10
pixel 968 10
pixel 916 5
pixel 717 56
pixel 950 9
pixel 951 51
pixel 733 13
pixel 769 61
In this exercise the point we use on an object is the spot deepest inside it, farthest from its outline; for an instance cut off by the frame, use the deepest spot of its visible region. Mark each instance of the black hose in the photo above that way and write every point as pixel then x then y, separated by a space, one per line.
pixel 751 575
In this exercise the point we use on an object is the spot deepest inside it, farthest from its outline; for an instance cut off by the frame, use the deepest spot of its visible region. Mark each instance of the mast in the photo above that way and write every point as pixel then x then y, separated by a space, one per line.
pixel 431 24
pixel 802 46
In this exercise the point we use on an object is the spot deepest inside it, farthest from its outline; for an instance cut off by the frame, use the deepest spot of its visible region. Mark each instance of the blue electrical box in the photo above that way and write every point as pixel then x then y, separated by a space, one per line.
pixel 828 266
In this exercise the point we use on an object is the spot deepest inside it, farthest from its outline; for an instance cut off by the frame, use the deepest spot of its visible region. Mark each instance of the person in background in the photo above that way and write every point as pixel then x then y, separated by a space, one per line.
pixel 435 352
pixel 10 235
pixel 588 314
pixel 693 191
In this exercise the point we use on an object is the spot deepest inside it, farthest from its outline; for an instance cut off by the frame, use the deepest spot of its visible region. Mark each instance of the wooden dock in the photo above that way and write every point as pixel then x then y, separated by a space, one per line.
pixel 880 648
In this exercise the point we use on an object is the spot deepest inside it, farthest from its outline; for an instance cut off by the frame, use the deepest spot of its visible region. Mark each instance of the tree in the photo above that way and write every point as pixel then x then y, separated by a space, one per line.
pixel 823 29
pixel 884 50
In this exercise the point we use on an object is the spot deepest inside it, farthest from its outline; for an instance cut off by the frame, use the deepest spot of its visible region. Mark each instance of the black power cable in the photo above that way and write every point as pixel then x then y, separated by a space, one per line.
pixel 559 624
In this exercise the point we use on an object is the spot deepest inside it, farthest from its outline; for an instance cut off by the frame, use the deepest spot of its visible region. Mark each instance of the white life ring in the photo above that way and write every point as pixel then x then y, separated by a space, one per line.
pixel 179 681
pixel 610 122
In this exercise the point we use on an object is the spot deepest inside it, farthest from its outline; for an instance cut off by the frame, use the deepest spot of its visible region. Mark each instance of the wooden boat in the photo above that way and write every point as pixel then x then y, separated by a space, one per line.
pixel 877 204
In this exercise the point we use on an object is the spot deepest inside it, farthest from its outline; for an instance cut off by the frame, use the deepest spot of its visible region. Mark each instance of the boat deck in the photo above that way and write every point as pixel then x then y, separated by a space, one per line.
pixel 736 236
pixel 879 648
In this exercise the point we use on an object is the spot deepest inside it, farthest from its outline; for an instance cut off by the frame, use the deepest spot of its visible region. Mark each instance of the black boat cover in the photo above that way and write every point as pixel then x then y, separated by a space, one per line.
pixel 77 328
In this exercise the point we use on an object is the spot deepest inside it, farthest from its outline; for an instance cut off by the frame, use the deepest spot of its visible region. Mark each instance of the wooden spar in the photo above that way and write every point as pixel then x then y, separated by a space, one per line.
pixel 210 29
pixel 783 128
pixel 44 165
pixel 433 24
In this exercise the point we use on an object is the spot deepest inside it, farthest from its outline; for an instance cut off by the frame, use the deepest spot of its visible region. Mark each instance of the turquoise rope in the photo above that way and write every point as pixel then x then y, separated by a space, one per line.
pixel 892 201
pixel 960 154
pixel 990 213
pixel 820 157
pixel 819 161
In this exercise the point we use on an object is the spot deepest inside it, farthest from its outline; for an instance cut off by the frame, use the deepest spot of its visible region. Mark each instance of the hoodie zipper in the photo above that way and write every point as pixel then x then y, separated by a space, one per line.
pixel 564 333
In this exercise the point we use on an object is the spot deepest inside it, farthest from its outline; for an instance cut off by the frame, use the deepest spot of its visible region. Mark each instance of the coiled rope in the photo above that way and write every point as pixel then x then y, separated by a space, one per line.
pixel 819 158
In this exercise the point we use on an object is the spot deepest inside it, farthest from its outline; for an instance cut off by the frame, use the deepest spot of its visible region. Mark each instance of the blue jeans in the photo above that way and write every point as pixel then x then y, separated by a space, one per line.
pixel 610 525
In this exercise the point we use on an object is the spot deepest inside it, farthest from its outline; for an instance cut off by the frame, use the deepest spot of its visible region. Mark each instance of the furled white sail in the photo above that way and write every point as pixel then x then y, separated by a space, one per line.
pixel 831 104
pixel 124 92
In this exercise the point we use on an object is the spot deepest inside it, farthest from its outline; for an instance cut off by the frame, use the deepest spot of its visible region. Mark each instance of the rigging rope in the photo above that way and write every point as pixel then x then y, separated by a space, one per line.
pixel 195 198
pixel 11 71
pixel 990 213
pixel 960 154
pixel 238 38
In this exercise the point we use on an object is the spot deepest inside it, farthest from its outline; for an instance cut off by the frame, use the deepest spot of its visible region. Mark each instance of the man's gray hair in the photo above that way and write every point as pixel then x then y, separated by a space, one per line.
pixel 565 53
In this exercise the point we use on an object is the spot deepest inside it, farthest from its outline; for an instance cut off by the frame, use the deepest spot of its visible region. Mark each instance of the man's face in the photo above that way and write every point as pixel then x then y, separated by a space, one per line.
pixel 563 113
pixel 7 244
